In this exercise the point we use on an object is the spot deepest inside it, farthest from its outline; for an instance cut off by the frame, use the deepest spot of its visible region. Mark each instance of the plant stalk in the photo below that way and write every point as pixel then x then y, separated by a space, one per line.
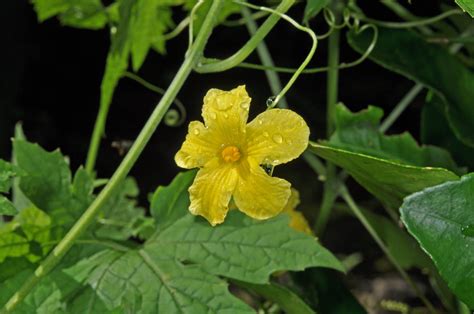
pixel 124 168
pixel 330 194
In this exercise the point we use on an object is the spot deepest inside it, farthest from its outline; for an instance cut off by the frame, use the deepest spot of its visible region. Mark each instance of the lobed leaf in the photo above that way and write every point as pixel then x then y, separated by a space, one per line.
pixel 467 6
pixel 441 219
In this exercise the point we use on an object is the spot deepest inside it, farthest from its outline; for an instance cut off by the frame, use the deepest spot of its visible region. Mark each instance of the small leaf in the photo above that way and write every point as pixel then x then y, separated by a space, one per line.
pixel 165 200
pixel 406 53
pixel 466 6
pixel 441 219
pixel 6 207
pixel 228 8
pixel 312 8
pixel 389 181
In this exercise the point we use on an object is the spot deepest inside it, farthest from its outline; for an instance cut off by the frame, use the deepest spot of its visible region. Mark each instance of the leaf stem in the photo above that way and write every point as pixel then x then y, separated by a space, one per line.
pixel 330 194
pixel 89 215
pixel 216 65
pixel 344 193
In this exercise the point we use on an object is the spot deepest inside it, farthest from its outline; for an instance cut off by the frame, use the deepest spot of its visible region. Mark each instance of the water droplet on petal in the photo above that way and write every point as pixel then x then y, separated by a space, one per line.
pixel 226 115
pixel 266 134
pixel 212 115
pixel 245 105
pixel 277 138
pixel 196 131
pixel 468 231
pixel 260 121
pixel 223 103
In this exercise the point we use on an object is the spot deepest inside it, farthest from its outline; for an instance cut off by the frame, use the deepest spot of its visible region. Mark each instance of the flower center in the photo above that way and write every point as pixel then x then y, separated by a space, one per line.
pixel 230 154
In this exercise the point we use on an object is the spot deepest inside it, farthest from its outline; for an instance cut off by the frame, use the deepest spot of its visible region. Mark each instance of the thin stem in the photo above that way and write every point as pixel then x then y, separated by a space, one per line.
pixel 160 91
pixel 341 66
pixel 400 107
pixel 89 215
pixel 177 30
pixel 97 133
pixel 232 61
pixel 358 213
pixel 329 192
pixel 306 60
pixel 243 21
pixel 265 56
pixel 411 24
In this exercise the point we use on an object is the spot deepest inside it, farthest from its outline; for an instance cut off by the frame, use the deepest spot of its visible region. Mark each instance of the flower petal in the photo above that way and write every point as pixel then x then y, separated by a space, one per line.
pixel 298 222
pixel 226 113
pixel 259 195
pixel 199 147
pixel 277 136
pixel 211 191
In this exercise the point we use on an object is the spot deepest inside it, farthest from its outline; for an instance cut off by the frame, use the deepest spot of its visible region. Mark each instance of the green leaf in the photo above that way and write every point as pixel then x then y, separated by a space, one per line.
pixel 404 249
pixel 47 184
pixel 150 284
pixel 12 244
pixel 312 8
pixel 228 8
pixel 76 13
pixel 441 219
pixel 327 292
pixel 152 20
pixel 406 53
pixel 48 178
pixel 466 6
pixel 358 132
pixel 287 299
pixel 433 131
pixel 117 58
pixel 177 269
pixel 166 199
pixel 121 218
pixel 44 299
pixel 389 181
pixel 7 173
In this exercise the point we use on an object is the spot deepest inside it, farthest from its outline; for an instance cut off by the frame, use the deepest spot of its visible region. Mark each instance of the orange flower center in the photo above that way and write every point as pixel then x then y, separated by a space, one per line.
pixel 230 154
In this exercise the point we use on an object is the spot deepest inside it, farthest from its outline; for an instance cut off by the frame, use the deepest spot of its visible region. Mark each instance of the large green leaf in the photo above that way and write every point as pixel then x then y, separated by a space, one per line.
pixel 389 167
pixel 467 6
pixel 178 268
pixel 47 184
pixel 406 53
pixel 441 219
pixel 359 133
pixel 433 131
pixel 389 181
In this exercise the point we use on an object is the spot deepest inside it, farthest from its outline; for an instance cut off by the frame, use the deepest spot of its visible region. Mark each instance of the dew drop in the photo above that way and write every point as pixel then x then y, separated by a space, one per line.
pixel 468 231
pixel 212 115
pixel 222 103
pixel 245 105
pixel 196 131
pixel 113 30
pixel 266 134
pixel 260 121
pixel 226 115
pixel 277 138
pixel 270 101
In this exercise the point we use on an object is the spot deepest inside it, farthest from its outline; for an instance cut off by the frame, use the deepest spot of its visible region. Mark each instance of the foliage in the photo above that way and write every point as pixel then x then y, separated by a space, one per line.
pixel 70 243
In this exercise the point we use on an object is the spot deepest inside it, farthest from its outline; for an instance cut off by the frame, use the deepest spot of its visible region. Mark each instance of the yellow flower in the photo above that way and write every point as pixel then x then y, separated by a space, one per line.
pixel 229 153
pixel 297 220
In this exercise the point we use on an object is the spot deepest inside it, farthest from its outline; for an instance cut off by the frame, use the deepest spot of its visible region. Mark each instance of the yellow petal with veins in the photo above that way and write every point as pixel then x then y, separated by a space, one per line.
pixel 211 191
pixel 259 195
pixel 299 222
pixel 277 136
pixel 226 114
pixel 200 147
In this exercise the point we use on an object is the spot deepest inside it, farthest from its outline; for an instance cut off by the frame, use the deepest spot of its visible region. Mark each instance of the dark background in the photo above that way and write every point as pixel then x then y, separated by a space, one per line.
pixel 51 77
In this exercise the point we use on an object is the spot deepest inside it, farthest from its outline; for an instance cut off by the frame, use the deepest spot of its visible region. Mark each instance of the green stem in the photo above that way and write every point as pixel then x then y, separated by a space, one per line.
pixel 330 193
pixel 94 145
pixel 358 213
pixel 89 215
pixel 400 107
pixel 232 61
pixel 288 301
